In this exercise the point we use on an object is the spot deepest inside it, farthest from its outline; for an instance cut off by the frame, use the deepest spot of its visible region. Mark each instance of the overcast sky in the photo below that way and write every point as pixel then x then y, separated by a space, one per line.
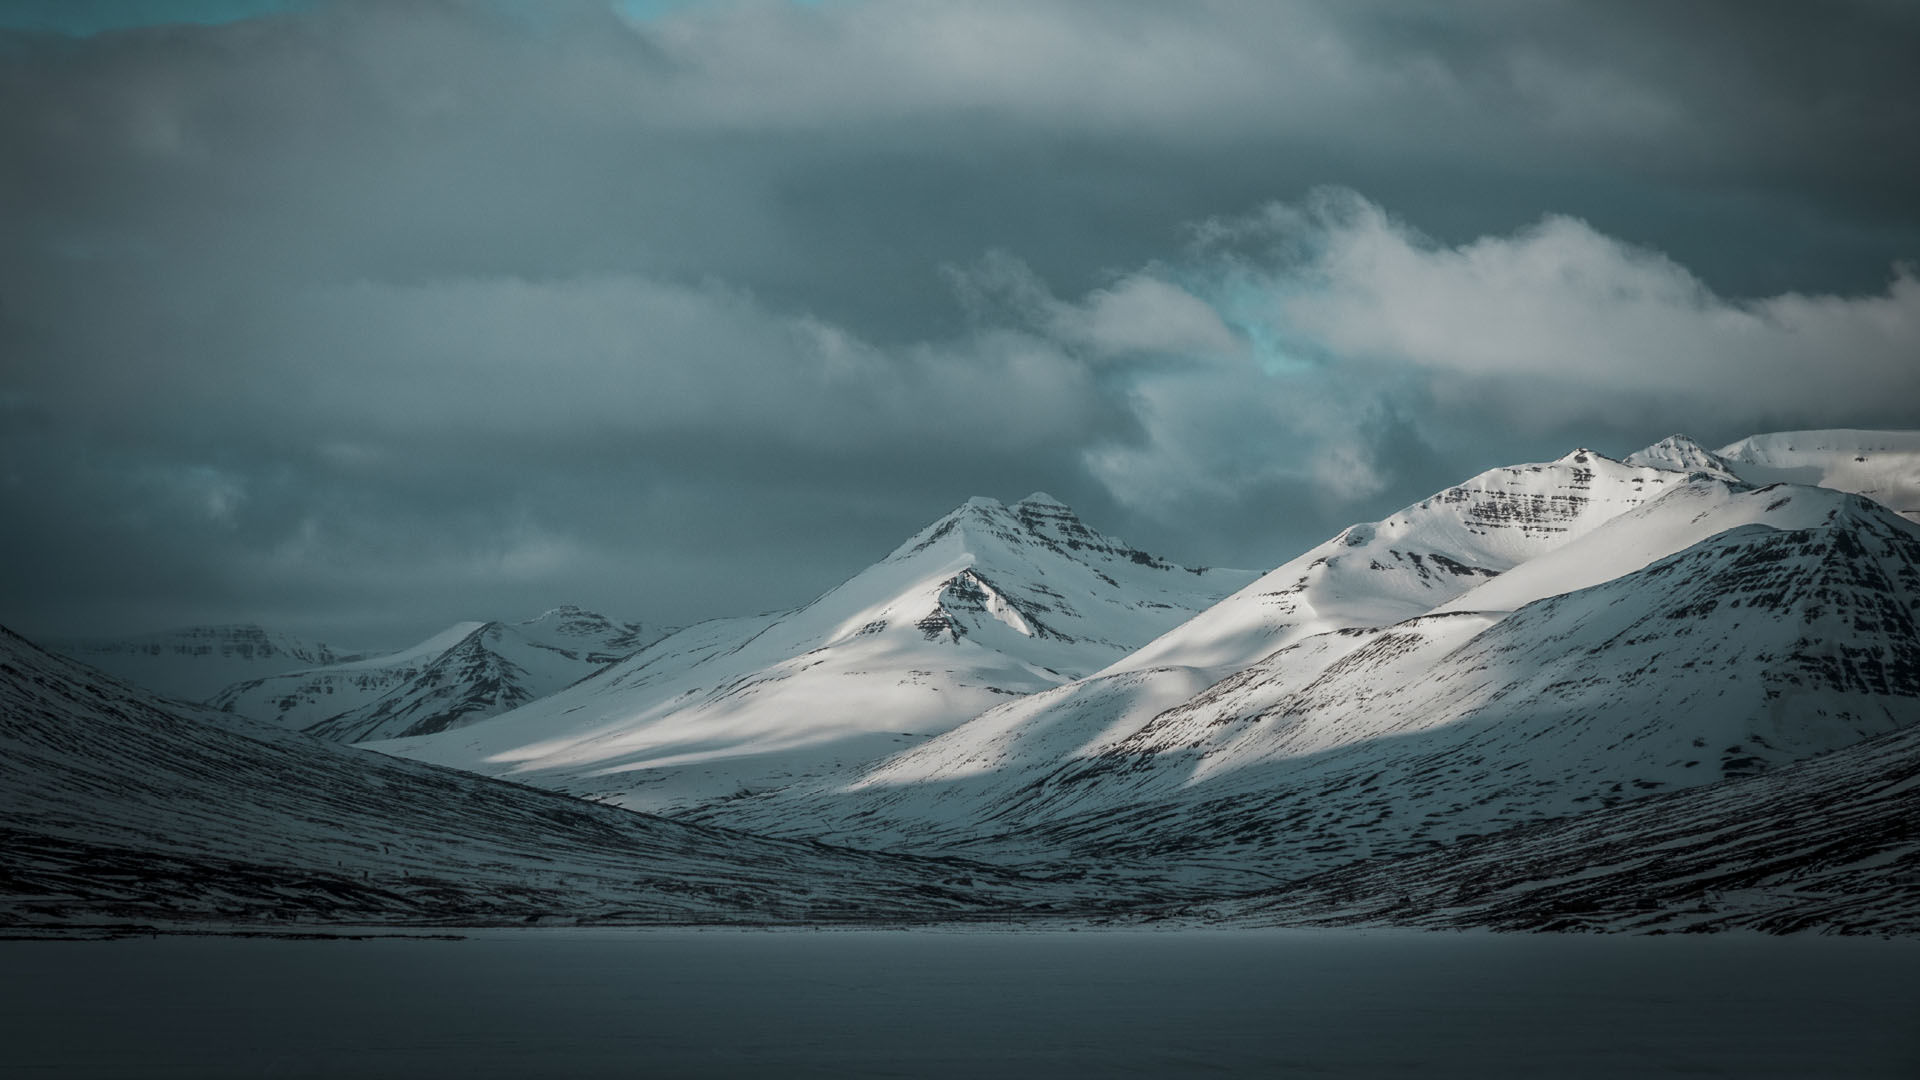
pixel 359 318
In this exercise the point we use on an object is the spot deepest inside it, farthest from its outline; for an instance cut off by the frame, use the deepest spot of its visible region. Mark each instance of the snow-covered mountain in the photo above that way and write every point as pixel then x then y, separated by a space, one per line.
pixel 1412 561
pixel 1370 575
pixel 193 663
pixel 988 603
pixel 118 809
pixel 300 697
pixel 1751 649
pixel 1688 513
pixel 467 672
pixel 1882 465
pixel 1714 631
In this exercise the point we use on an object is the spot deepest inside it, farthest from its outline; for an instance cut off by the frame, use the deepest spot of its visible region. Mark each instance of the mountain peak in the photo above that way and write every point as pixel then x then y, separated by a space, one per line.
pixel 1680 453
pixel 1678 441
pixel 566 614
pixel 1580 456
pixel 1037 521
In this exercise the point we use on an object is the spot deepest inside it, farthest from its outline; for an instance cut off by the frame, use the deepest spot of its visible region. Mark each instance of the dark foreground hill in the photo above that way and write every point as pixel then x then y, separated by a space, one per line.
pixel 1829 845
pixel 117 808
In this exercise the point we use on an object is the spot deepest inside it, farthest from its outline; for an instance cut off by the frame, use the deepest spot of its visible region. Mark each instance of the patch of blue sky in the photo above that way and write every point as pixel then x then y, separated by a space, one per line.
pixel 1251 305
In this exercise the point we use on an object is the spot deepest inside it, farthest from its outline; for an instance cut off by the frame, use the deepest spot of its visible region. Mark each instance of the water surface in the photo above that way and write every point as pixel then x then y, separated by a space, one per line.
pixel 963 1003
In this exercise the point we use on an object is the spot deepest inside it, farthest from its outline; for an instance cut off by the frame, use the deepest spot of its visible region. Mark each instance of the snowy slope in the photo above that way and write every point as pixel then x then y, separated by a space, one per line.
pixel 466 672
pixel 498 667
pixel 302 697
pixel 987 603
pixel 1829 845
pixel 1882 465
pixel 1376 574
pixel 476 678
pixel 118 808
pixel 1687 514
pixel 1413 561
pixel 194 662
pixel 1753 648
pixel 1750 650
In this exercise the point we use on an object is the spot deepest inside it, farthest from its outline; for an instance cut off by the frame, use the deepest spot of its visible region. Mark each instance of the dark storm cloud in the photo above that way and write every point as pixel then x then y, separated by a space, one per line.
pixel 376 315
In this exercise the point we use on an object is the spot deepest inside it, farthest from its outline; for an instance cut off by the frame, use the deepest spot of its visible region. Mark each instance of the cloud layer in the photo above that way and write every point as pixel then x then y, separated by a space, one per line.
pixel 1356 338
pixel 368 316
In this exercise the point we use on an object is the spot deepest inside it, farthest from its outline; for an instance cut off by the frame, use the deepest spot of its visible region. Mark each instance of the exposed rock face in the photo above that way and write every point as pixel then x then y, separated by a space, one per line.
pixel 968 597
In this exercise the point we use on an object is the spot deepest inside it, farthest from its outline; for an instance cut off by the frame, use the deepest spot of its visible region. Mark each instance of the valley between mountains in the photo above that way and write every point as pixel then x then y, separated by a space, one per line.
pixel 1677 690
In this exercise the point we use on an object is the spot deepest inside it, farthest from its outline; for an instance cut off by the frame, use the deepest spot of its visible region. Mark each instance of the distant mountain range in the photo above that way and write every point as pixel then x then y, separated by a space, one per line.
pixel 1586 692
pixel 468 671
pixel 193 663
pixel 465 673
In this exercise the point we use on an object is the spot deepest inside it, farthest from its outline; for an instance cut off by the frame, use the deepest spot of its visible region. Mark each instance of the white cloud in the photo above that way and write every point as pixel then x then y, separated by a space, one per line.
pixel 1140 314
pixel 1547 328
pixel 1573 310
pixel 778 64
pixel 1144 314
